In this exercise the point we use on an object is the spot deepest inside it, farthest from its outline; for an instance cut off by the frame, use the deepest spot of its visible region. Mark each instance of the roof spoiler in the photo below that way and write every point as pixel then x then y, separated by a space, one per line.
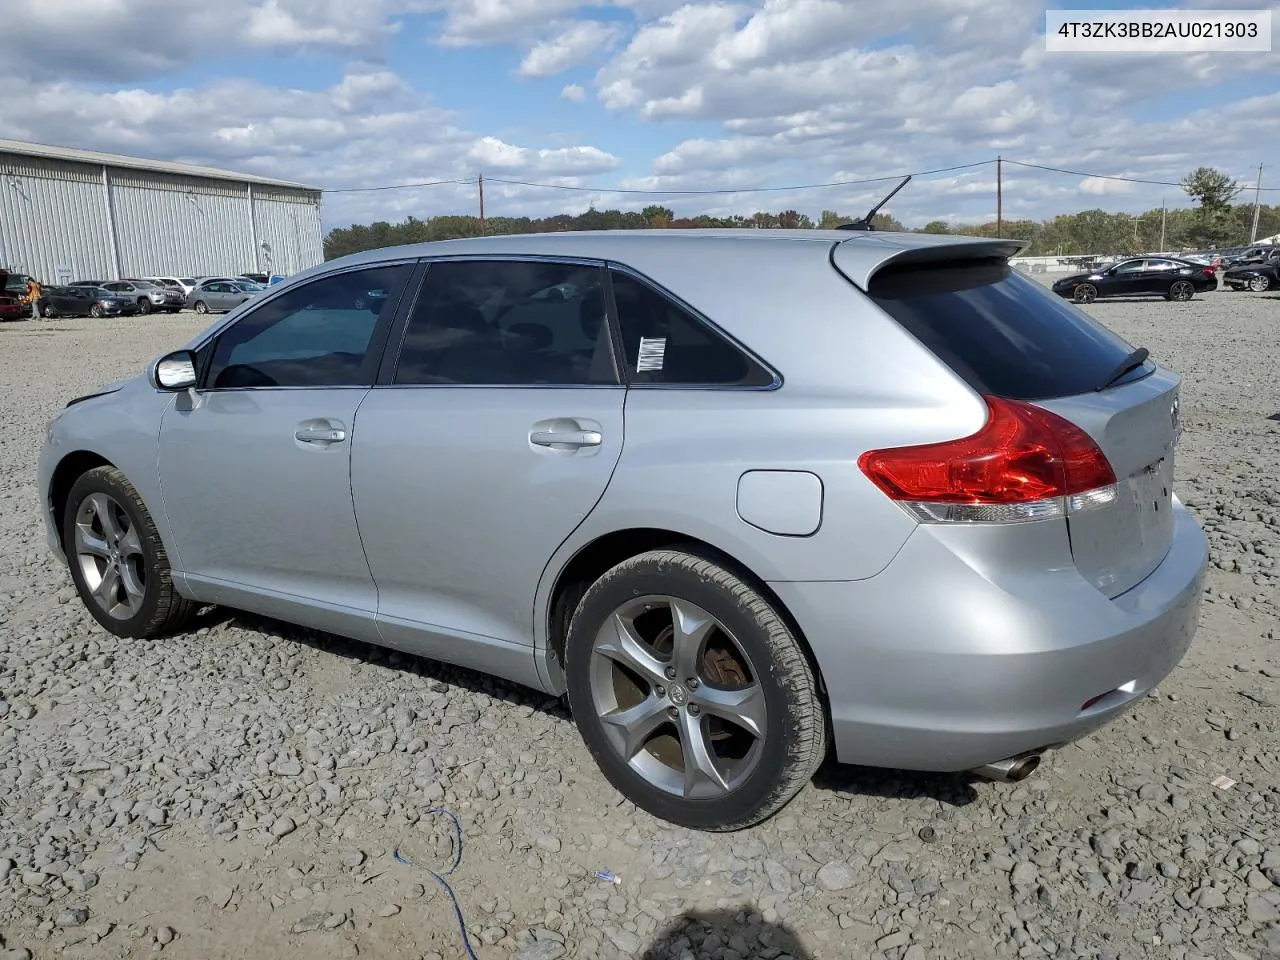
pixel 860 260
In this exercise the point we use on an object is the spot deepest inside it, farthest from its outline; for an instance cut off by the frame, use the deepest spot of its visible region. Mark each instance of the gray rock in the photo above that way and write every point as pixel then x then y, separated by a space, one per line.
pixel 390 910
pixel 836 876
pixel 282 827
pixel 311 922
pixel 1261 909
pixel 72 917
pixel 542 950
pixel 624 940
pixel 1024 873
pixel 164 935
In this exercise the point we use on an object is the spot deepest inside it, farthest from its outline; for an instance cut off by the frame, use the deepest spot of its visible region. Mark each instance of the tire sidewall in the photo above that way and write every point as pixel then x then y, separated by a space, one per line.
pixel 645 576
pixel 97 481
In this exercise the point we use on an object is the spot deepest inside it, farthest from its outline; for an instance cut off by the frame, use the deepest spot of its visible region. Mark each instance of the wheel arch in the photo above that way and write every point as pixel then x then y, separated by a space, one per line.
pixel 69 469
pixel 594 558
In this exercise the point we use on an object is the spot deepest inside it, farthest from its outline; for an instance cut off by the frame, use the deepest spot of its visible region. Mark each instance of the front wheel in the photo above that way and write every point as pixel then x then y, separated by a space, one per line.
pixel 1259 284
pixel 144 306
pixel 96 312
pixel 1182 291
pixel 692 693
pixel 118 564
pixel 50 312
pixel 1085 293
pixel 201 307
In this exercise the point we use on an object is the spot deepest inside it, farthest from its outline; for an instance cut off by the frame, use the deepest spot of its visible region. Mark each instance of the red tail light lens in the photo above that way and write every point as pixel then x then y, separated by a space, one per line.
pixel 1024 464
pixel 1210 272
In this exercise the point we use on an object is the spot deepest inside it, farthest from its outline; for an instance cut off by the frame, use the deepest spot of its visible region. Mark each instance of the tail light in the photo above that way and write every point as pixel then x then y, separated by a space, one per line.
pixel 1024 464
pixel 1210 272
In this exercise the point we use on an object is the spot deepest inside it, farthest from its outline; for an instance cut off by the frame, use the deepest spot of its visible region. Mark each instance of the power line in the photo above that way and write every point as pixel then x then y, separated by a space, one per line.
pixel 721 191
pixel 1103 176
pixel 397 186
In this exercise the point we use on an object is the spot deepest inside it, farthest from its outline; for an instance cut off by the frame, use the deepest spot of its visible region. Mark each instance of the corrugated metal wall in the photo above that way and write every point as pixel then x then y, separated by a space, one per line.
pixel 53 218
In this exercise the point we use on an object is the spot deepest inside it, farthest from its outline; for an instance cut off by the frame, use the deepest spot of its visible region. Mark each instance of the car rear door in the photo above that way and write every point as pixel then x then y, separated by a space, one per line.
pixel 256 472
pixel 491 435
pixel 1007 337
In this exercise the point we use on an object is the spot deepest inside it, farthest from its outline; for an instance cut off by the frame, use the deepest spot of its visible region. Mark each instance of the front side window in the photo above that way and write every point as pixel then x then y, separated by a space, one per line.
pixel 320 334
pixel 508 323
pixel 664 343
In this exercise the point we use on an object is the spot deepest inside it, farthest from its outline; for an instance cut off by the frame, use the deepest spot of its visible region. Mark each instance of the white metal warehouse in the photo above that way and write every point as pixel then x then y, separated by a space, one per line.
pixel 69 214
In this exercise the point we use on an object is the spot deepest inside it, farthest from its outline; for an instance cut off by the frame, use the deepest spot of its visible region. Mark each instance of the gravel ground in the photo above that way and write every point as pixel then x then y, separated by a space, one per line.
pixel 241 790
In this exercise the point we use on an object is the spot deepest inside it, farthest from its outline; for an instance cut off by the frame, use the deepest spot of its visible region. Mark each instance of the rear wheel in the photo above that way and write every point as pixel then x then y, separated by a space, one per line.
pixel 692 693
pixel 1182 290
pixel 50 311
pixel 118 564
pixel 1259 284
pixel 201 307
pixel 1085 293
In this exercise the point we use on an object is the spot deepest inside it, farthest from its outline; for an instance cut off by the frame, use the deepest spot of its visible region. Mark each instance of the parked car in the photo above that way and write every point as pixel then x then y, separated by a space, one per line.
pixel 184 284
pixel 88 283
pixel 149 296
pixel 1171 278
pixel 1258 276
pixel 11 308
pixel 81 301
pixel 1262 254
pixel 218 296
pixel 928 521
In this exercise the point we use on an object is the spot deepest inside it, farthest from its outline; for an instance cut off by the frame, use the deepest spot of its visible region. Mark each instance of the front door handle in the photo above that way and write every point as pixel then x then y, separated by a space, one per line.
pixel 566 438
pixel 320 431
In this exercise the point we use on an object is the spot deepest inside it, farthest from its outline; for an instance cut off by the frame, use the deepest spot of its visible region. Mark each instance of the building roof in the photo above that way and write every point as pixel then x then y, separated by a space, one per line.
pixel 138 163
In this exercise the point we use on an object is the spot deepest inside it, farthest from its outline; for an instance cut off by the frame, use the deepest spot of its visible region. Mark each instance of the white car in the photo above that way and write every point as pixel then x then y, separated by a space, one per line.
pixel 185 284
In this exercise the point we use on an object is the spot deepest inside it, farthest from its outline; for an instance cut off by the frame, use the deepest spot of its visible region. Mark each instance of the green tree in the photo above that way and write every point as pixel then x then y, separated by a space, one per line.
pixel 656 216
pixel 936 226
pixel 1213 192
pixel 830 220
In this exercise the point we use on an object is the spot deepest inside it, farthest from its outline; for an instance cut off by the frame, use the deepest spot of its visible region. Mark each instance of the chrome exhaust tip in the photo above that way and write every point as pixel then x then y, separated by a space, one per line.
pixel 1011 770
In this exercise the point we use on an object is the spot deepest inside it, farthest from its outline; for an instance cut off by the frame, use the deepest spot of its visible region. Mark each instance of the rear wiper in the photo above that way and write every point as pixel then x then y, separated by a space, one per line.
pixel 1134 360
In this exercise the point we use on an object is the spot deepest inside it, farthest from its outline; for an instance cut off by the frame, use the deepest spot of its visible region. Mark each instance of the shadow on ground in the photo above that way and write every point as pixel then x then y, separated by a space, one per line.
pixel 954 790
pixel 702 934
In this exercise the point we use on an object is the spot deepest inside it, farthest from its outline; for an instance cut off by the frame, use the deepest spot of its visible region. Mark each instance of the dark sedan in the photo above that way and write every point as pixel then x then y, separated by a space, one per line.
pixel 1257 277
pixel 1141 277
pixel 82 301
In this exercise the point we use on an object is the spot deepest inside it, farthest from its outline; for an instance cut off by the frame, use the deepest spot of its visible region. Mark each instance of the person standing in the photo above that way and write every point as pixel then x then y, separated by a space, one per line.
pixel 35 293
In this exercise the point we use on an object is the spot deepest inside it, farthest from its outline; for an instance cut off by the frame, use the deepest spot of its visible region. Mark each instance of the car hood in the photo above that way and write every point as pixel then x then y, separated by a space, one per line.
pixel 1074 278
pixel 109 389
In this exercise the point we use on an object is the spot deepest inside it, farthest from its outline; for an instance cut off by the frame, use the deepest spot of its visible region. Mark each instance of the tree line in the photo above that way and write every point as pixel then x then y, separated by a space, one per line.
pixel 1214 220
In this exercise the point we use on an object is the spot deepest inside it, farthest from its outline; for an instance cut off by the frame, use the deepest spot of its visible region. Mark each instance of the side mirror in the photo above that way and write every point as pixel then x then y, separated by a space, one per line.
pixel 175 371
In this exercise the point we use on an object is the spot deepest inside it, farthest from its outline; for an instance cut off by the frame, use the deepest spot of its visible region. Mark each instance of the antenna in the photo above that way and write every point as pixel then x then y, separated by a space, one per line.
pixel 865 222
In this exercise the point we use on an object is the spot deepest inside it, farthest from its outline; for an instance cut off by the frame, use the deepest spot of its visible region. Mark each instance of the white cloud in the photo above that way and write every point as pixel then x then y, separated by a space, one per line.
pixel 471 22
pixel 572 45
pixel 490 153
pixel 574 93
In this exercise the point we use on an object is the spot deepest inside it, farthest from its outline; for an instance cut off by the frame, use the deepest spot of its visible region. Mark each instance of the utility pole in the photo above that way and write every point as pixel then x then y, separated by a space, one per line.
pixel 1257 195
pixel 1163 212
pixel 483 230
pixel 999 196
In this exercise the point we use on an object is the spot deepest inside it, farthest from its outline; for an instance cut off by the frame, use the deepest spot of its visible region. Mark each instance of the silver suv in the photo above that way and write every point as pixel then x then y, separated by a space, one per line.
pixel 148 295
pixel 744 496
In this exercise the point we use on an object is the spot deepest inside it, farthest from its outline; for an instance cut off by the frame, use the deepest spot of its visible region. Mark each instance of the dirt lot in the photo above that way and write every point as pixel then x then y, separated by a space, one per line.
pixel 239 791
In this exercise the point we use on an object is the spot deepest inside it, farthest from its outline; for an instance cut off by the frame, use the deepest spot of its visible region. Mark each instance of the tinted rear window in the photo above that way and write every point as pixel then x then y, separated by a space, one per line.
pixel 1003 333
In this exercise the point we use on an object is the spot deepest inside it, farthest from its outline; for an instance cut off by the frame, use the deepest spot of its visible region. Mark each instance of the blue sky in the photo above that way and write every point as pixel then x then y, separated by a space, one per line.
pixel 640 94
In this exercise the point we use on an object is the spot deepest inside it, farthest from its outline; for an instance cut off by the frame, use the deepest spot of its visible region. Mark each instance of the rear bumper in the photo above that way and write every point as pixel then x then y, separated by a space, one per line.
pixel 943 663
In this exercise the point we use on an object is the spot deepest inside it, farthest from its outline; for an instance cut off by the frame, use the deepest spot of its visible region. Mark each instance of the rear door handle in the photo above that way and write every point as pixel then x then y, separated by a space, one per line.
pixel 566 438
pixel 320 431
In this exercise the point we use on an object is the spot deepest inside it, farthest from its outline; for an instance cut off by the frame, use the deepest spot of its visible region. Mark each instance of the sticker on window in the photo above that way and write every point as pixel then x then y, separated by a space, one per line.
pixel 652 352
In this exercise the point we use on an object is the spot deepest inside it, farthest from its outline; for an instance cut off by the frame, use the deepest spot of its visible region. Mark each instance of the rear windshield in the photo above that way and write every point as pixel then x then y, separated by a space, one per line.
pixel 1003 333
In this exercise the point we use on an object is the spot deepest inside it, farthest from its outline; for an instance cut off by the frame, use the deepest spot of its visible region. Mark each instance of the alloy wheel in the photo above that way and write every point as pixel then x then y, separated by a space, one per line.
pixel 1182 290
pixel 109 551
pixel 1259 284
pixel 1086 293
pixel 677 697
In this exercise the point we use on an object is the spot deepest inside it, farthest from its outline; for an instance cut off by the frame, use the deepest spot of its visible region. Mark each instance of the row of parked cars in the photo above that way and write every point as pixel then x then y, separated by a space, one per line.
pixel 1174 278
pixel 143 295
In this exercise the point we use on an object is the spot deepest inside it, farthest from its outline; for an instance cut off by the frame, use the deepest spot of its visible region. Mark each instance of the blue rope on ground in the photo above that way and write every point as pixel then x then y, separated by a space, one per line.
pixel 440 877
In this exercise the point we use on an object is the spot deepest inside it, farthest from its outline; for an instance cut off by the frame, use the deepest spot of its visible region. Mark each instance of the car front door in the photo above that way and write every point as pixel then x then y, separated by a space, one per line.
pixel 1124 279
pixel 256 468
pixel 488 440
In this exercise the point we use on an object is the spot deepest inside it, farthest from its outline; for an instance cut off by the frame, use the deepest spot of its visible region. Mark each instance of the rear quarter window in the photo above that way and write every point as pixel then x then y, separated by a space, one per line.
pixel 1003 333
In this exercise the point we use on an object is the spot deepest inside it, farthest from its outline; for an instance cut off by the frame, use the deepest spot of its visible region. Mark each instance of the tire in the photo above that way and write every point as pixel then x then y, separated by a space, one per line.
pixel 96 312
pixel 201 307
pixel 110 540
pixel 1181 291
pixel 1259 284
pixel 144 306
pixel 754 657
pixel 1085 293
pixel 49 312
